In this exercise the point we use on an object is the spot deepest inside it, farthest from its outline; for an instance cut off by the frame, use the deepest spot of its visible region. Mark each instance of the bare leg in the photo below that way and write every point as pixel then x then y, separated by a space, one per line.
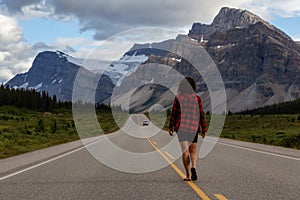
pixel 193 154
pixel 186 158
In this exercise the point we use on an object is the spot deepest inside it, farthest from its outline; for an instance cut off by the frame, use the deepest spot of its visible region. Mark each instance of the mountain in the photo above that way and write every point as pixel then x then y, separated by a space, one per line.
pixel 133 58
pixel 55 73
pixel 123 67
pixel 227 19
pixel 259 64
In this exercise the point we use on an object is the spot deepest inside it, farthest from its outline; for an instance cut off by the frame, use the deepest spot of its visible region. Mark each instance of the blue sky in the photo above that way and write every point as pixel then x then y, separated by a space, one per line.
pixel 290 25
pixel 77 27
pixel 47 30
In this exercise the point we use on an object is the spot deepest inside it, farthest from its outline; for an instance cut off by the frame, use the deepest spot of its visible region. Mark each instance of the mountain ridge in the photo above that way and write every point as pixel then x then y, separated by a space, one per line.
pixel 52 72
pixel 259 64
pixel 229 18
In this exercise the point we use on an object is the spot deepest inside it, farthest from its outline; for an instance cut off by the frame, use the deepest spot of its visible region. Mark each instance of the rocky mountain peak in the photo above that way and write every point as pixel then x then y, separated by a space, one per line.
pixel 259 63
pixel 228 19
pixel 55 73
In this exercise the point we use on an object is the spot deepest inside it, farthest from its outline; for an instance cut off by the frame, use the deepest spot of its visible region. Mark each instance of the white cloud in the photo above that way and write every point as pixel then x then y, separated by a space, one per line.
pixel 5 74
pixel 16 61
pixel 62 42
pixel 107 18
pixel 15 55
pixel 38 10
pixel 42 10
pixel 268 9
pixel 10 31
pixel 76 47
pixel 289 8
pixel 40 46
pixel 23 66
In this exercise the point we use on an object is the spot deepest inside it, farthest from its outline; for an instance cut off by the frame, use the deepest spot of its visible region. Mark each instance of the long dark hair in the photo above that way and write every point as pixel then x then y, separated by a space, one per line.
pixel 187 86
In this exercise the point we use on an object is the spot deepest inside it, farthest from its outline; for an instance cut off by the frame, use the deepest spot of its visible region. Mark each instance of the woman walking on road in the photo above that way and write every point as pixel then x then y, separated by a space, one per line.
pixel 186 119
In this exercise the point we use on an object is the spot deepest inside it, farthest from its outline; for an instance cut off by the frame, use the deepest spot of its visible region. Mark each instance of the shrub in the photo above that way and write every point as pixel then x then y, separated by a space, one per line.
pixel 280 133
pixel 292 141
pixel 54 126
pixel 40 126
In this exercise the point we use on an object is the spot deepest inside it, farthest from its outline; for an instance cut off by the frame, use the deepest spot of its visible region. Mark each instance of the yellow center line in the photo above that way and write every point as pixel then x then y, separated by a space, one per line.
pixel 170 156
pixel 220 197
pixel 198 191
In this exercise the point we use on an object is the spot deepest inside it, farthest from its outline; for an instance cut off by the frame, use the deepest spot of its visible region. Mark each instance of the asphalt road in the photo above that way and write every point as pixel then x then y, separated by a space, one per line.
pixel 233 170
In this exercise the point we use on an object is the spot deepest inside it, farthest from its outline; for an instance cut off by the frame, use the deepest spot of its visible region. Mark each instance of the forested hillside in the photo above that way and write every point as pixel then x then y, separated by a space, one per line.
pixel 290 107
pixel 30 99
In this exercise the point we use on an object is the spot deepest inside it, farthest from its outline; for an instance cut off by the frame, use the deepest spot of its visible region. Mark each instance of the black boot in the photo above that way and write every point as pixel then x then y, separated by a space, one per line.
pixel 194 174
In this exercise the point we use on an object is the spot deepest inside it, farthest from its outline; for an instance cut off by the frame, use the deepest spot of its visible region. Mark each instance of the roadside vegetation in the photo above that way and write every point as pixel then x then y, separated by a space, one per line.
pixel 277 130
pixel 277 124
pixel 22 130
pixel 31 120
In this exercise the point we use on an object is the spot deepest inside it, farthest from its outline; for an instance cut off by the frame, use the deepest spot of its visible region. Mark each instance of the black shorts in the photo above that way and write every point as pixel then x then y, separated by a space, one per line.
pixel 190 137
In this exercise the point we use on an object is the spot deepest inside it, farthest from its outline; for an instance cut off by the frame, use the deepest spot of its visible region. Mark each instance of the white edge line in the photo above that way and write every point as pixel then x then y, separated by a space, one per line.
pixel 47 161
pixel 259 151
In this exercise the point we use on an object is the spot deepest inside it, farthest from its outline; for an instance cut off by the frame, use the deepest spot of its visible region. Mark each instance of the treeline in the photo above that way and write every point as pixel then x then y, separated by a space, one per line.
pixel 31 99
pixel 41 101
pixel 289 107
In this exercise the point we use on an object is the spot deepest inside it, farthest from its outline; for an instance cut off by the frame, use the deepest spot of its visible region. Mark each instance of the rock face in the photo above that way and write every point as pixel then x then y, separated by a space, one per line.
pixel 259 64
pixel 227 19
pixel 52 72
pixel 256 50
pixel 259 58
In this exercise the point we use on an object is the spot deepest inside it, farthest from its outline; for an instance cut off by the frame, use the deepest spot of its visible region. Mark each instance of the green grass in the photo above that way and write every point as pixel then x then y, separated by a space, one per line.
pixel 157 118
pixel 278 130
pixel 24 131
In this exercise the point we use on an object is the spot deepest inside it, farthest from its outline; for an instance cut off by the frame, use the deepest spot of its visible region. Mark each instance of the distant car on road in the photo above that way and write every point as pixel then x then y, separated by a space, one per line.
pixel 145 123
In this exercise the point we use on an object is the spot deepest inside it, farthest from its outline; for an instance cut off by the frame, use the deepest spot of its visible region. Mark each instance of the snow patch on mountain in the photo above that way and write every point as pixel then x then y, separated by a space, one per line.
pixel 37 87
pixel 25 85
pixel 115 70
pixel 118 70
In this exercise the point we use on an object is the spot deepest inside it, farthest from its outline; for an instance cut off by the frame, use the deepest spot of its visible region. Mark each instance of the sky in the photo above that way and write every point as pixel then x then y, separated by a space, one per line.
pixel 78 27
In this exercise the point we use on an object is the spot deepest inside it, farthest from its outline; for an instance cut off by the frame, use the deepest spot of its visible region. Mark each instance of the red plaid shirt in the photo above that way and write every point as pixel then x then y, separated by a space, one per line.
pixel 185 114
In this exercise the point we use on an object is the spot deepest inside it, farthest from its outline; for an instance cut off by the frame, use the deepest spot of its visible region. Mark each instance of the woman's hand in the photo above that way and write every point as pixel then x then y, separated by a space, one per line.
pixel 203 134
pixel 170 132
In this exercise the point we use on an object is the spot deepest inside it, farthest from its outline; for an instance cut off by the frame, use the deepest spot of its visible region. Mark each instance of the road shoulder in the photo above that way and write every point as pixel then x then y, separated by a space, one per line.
pixel 262 147
pixel 23 160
